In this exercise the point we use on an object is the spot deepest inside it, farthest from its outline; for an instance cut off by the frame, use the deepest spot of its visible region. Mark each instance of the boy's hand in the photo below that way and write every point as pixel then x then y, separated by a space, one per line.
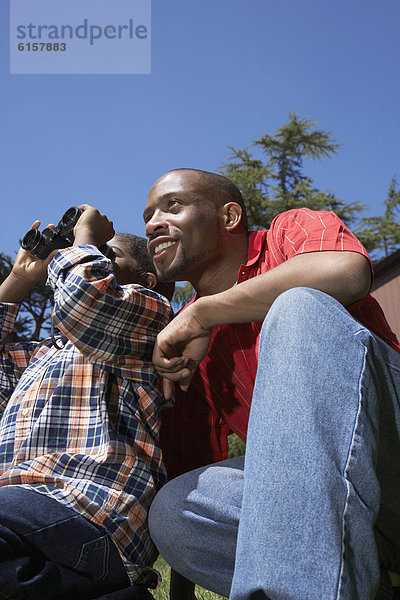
pixel 93 227
pixel 27 270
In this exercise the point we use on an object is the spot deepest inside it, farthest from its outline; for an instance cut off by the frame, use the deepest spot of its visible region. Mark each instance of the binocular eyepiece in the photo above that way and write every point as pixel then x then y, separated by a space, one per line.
pixel 41 243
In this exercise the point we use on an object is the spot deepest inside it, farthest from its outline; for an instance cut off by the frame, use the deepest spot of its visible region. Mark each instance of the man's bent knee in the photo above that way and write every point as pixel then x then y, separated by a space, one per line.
pixel 305 313
pixel 303 297
pixel 164 511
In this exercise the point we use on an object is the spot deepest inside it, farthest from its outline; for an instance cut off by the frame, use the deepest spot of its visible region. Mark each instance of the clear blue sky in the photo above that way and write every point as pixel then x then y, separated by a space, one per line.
pixel 223 73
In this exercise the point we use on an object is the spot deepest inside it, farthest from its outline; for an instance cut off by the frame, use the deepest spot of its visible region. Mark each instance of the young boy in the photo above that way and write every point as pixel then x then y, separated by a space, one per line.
pixel 79 455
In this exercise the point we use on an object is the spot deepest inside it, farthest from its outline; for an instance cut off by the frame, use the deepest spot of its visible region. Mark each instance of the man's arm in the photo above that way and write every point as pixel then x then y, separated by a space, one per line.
pixel 346 276
pixel 180 347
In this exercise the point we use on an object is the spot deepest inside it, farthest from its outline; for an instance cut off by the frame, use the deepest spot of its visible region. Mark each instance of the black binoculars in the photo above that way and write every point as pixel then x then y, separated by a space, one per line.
pixel 41 243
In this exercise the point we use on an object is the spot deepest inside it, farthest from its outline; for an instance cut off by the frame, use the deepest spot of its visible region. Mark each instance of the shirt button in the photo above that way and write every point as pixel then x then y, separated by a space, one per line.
pixel 25 411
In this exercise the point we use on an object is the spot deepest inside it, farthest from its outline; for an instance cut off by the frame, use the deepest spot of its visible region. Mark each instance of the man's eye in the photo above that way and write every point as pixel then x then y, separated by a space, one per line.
pixel 173 203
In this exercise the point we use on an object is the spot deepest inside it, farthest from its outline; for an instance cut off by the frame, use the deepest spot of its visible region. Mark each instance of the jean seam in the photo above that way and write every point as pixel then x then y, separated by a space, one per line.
pixel 66 520
pixel 105 555
pixel 347 482
pixel 394 367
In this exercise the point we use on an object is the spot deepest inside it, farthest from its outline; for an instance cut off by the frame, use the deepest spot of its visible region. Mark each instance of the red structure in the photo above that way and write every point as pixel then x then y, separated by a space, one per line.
pixel 386 289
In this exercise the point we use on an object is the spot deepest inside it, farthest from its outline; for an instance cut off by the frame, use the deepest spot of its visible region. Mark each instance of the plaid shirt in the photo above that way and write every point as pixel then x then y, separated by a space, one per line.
pixel 194 432
pixel 81 424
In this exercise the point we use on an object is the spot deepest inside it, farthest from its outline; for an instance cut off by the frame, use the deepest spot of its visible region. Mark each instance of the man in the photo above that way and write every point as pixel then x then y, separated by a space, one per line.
pixel 79 455
pixel 300 519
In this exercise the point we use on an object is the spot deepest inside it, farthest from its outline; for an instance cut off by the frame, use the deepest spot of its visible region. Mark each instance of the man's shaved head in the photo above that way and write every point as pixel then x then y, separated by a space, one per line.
pixel 219 189
pixel 197 228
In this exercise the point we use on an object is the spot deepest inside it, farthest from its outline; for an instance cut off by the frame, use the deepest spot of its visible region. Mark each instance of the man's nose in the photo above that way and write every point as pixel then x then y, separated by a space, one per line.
pixel 156 223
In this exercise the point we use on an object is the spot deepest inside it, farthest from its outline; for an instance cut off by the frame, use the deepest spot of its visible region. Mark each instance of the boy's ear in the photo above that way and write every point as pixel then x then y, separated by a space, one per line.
pixel 232 215
pixel 151 280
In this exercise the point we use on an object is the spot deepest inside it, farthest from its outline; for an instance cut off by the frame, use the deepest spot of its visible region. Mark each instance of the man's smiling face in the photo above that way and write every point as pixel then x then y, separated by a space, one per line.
pixel 183 226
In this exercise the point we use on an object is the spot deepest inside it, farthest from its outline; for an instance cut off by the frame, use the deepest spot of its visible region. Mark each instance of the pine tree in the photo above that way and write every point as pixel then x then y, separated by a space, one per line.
pixel 381 235
pixel 278 183
pixel 182 295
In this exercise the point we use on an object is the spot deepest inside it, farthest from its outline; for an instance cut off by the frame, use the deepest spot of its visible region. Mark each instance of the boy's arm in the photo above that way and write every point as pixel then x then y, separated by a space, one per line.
pixel 14 357
pixel 108 323
pixel 26 272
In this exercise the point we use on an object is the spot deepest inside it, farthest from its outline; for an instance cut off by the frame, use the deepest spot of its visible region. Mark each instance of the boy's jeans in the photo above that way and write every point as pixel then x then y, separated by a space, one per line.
pixel 50 552
pixel 318 496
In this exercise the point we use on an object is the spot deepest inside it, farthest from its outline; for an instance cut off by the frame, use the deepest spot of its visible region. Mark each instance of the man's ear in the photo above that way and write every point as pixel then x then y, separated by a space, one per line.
pixel 151 280
pixel 232 215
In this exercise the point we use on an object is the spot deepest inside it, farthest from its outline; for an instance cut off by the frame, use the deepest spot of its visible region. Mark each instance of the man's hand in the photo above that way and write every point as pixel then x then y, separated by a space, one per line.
pixel 179 348
pixel 27 270
pixel 93 227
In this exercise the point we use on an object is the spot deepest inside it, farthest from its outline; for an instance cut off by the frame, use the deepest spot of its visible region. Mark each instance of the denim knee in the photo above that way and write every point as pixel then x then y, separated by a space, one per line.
pixel 164 520
pixel 190 513
pixel 307 314
pixel 300 301
pixel 208 494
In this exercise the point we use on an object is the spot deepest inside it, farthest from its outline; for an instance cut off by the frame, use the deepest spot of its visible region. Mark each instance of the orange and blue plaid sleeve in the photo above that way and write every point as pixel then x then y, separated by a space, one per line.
pixel 14 357
pixel 110 324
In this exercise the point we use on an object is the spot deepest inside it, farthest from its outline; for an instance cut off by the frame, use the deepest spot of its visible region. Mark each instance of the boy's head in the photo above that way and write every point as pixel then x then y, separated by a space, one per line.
pixel 132 264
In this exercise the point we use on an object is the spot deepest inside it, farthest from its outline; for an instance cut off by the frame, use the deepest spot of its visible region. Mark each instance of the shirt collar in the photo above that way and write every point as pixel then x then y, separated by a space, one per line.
pixel 255 247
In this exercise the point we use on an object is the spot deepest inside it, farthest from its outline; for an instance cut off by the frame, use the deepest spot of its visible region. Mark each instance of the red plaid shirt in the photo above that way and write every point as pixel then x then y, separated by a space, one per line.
pixel 218 401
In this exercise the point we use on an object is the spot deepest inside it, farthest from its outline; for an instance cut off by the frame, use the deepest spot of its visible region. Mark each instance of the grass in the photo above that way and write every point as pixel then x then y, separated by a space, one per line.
pixel 163 591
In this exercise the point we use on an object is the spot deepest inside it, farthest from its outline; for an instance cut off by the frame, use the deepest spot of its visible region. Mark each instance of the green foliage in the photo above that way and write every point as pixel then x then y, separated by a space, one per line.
pixel 291 144
pixel 37 304
pixel 278 184
pixel 182 295
pixel 163 591
pixel 382 234
pixel 236 446
pixel 34 317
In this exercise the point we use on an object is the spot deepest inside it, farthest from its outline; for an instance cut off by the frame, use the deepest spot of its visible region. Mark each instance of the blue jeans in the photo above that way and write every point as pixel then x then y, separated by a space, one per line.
pixel 313 511
pixel 50 552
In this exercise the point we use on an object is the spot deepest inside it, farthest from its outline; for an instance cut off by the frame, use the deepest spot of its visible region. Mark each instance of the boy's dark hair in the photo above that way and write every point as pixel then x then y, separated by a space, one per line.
pixel 137 247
